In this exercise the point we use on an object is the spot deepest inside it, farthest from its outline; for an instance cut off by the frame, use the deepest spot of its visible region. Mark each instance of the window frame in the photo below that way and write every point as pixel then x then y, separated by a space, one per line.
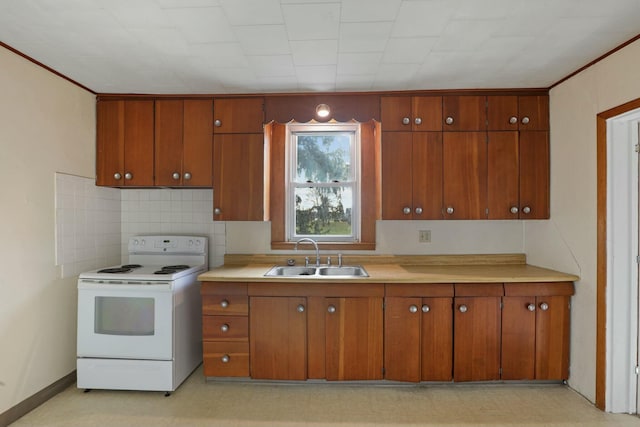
pixel 293 130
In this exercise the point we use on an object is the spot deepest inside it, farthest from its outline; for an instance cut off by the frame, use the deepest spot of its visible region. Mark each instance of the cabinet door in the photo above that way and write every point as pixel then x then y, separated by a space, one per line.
pixel 427 113
pixel 518 338
pixel 464 113
pixel 503 175
pixel 278 338
pixel 197 147
pixel 437 339
pixel 502 113
pixel 238 177
pixel 465 175
pixel 238 115
pixel 552 337
pixel 476 339
pixel 354 334
pixel 110 143
pixel 533 112
pixel 426 175
pixel 397 149
pixel 534 175
pixel 395 113
pixel 402 327
pixel 168 142
pixel 138 143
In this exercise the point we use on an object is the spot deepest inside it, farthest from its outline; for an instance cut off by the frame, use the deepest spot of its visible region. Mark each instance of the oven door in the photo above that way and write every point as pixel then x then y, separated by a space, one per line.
pixel 125 321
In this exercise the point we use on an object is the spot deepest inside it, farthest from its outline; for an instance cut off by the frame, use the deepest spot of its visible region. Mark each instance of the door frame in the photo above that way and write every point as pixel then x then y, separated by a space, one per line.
pixel 616 380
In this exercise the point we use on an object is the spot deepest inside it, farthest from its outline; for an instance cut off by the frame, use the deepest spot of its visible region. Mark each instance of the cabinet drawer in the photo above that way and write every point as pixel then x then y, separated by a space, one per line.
pixel 226 359
pixel 225 304
pixel 227 328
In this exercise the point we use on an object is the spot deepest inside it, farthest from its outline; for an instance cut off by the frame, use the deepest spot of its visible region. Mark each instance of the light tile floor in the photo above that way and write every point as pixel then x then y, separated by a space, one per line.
pixel 239 404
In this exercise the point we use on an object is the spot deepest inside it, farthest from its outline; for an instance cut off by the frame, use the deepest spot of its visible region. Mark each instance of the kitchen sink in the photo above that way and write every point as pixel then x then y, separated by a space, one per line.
pixel 323 271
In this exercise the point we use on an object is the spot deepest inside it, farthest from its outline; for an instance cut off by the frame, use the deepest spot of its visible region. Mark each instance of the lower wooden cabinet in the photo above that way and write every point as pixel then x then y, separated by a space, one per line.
pixel 477 325
pixel 278 338
pixel 535 331
pixel 423 332
pixel 225 329
pixel 418 332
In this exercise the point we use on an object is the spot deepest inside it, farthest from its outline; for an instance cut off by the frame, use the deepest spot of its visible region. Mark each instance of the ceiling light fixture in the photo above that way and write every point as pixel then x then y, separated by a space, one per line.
pixel 323 110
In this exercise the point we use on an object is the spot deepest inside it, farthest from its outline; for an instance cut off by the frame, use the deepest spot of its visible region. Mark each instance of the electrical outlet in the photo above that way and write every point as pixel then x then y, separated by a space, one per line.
pixel 424 236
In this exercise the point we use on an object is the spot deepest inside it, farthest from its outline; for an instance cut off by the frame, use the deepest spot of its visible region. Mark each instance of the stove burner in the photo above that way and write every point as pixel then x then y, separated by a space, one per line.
pixel 131 266
pixel 114 270
pixel 169 269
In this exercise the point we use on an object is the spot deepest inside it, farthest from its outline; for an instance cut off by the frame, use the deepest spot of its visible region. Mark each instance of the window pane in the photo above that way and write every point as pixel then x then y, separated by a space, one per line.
pixel 323 211
pixel 324 157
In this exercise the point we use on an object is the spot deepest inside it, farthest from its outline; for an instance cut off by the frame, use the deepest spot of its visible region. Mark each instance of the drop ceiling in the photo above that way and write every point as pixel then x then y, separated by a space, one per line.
pixel 280 46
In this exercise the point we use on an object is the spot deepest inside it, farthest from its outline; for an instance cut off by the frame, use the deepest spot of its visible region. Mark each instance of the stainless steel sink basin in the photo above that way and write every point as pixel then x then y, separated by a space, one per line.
pixel 345 270
pixel 291 271
pixel 323 271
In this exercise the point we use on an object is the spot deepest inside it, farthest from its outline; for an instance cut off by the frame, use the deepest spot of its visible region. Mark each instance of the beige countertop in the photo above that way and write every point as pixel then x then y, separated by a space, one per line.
pixel 408 269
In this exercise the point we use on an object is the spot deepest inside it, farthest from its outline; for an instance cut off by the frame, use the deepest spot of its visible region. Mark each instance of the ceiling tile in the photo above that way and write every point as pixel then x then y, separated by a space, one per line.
pixel 314 52
pixel 263 39
pixel 364 37
pixel 361 11
pixel 312 21
pixel 250 12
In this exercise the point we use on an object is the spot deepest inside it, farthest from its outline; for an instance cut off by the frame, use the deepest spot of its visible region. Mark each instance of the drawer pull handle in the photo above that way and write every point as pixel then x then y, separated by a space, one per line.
pixel 224 328
pixel 225 358
pixel 413 308
pixel 531 307
pixel 463 308
pixel 224 303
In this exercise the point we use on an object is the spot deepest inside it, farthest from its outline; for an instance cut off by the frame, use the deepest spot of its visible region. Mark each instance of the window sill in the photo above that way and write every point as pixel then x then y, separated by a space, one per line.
pixel 344 246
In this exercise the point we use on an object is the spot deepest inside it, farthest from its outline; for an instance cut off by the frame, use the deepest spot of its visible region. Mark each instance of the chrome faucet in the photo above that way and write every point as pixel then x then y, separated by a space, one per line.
pixel 315 245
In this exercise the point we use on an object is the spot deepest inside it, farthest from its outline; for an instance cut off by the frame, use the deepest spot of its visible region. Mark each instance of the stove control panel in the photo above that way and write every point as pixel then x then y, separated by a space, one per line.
pixel 168 244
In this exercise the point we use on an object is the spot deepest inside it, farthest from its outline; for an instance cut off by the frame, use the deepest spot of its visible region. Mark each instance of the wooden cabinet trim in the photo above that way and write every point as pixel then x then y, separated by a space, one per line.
pixel 419 290
pixel 339 289
pixel 223 288
pixel 479 290
pixel 539 289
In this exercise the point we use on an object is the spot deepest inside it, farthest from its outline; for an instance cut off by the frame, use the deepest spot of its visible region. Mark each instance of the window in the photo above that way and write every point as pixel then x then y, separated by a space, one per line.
pixel 323 182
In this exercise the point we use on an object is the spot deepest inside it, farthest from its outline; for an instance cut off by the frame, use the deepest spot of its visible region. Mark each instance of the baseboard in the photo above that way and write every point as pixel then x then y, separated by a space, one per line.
pixel 30 403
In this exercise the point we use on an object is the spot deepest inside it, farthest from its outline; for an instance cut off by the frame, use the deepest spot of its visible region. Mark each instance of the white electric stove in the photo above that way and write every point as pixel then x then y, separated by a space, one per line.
pixel 139 323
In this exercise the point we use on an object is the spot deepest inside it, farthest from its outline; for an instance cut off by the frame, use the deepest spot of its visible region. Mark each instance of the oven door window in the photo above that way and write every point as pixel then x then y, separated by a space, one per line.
pixel 131 316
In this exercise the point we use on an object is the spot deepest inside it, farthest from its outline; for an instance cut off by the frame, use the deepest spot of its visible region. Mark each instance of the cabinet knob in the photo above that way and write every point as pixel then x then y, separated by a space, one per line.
pixel 331 309
pixel 525 120
pixel 224 328
pixel 418 211
pixel 117 176
pixel 175 176
pixel 544 306
pixel 426 308
pixel 128 175
pixel 526 209
pixel 449 120
pixel 418 121
pixel 513 120
pixel 217 211
pixel 187 175
pixel 463 308
pixel 300 308
pixel 531 307
pixel 225 358
pixel 224 303
pixel 514 209
pixel 405 120
pixel 450 210
pixel 413 309
pixel 217 123
pixel 406 210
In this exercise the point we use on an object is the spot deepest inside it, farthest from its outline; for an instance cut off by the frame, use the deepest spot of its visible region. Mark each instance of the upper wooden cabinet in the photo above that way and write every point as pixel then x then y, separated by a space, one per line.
pixel 464 175
pixel 464 113
pixel 238 174
pixel 518 112
pixel 412 175
pixel 183 143
pixel 238 115
pixel 124 143
pixel 411 113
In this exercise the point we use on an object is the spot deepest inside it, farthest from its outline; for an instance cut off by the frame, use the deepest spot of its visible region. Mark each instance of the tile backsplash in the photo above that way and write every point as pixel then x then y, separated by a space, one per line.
pixel 172 211
pixel 88 227
pixel 93 224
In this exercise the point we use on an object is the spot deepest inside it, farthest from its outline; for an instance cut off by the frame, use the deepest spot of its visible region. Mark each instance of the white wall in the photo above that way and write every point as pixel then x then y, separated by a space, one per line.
pixel 47 125
pixel 568 242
